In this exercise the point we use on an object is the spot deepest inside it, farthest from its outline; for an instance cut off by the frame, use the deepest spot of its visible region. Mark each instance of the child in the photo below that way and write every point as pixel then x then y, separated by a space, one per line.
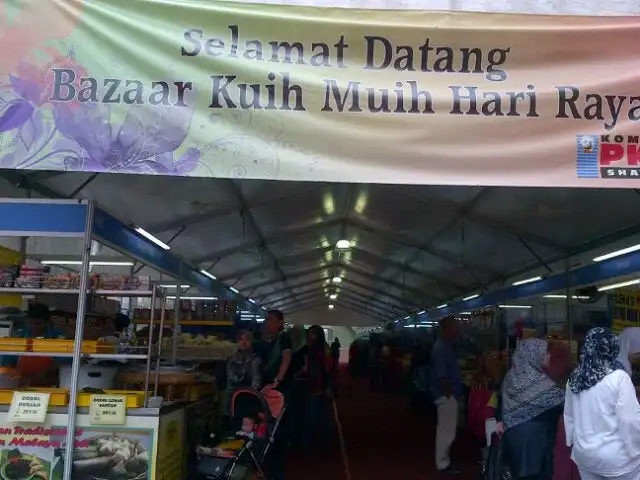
pixel 252 428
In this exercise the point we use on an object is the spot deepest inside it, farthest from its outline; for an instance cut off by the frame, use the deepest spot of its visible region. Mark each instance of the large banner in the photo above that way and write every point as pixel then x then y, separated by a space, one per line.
pixel 217 89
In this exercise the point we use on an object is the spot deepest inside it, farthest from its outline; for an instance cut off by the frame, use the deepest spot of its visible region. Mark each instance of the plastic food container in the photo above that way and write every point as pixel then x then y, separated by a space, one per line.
pixel 14 344
pixel 90 376
pixel 66 346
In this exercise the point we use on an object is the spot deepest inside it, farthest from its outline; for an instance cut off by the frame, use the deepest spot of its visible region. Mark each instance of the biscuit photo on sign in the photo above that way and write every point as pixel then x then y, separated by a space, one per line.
pixel 587 144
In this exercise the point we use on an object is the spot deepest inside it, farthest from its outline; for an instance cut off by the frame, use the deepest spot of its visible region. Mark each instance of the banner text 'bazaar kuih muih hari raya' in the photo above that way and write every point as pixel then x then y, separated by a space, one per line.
pixel 218 89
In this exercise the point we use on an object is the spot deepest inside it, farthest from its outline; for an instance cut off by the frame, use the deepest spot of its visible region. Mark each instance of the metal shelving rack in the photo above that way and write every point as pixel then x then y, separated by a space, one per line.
pixel 83 219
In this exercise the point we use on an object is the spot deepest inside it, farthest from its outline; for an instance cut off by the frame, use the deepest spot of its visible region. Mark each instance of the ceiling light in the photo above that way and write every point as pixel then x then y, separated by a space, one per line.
pixel 343 244
pixel 575 297
pixel 409 326
pixel 251 300
pixel 422 312
pixel 514 306
pixel 618 285
pixel 207 274
pixel 333 296
pixel 442 306
pixel 331 307
pixel 471 297
pixel 234 290
pixel 93 264
pixel 61 262
pixel 193 298
pixel 407 317
pixel 155 240
pixel 336 279
pixel 527 280
pixel 174 286
pixel 464 313
pixel 617 253
pixel 111 264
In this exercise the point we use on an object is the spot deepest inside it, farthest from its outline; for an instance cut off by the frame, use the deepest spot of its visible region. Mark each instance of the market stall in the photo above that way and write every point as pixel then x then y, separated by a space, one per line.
pixel 127 419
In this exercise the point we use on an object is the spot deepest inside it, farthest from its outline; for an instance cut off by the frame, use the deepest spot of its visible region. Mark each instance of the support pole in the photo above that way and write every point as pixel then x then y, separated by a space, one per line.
pixel 150 344
pixel 163 309
pixel 568 300
pixel 77 346
pixel 177 304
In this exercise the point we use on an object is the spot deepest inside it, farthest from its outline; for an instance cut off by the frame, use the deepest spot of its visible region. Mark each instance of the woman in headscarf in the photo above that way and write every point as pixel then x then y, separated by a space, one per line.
pixel 529 411
pixel 602 415
pixel 629 347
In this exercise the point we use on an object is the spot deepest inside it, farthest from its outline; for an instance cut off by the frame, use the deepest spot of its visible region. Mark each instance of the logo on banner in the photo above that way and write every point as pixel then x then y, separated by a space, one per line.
pixel 608 156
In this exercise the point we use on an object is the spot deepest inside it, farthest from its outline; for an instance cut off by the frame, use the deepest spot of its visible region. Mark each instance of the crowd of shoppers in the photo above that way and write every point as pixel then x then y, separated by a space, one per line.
pixel 601 410
pixel 299 364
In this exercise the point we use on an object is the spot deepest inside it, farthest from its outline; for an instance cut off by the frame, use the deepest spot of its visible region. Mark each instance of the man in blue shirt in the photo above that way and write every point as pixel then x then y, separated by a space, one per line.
pixel 446 389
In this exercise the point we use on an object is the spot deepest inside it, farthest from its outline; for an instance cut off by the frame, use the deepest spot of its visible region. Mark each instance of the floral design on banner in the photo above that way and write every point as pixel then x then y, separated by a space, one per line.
pixel 74 136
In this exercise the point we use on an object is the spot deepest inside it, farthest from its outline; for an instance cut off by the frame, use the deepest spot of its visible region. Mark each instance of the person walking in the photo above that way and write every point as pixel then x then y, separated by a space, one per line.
pixel 318 365
pixel 446 390
pixel 528 412
pixel 602 414
pixel 276 353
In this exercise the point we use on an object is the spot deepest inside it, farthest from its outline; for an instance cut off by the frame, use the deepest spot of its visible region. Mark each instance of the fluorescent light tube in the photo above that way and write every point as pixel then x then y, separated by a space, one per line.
pixel 111 264
pixel 93 264
pixel 442 306
pixel 527 280
pixel 406 318
pixel 251 300
pixel 193 298
pixel 613 286
pixel 464 313
pixel 514 306
pixel 207 274
pixel 575 297
pixel 617 253
pixel 234 290
pixel 174 286
pixel 155 240
pixel 471 297
pixel 422 312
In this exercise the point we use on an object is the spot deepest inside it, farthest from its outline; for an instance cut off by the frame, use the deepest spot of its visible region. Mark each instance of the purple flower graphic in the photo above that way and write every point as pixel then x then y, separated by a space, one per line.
pixel 144 143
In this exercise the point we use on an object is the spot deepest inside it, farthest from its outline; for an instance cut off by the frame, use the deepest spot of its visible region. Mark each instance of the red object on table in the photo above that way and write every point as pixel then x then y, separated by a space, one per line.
pixel 564 468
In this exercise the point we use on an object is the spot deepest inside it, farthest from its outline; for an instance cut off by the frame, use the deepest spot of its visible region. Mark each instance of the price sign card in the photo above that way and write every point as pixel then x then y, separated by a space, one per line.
pixel 29 407
pixel 108 409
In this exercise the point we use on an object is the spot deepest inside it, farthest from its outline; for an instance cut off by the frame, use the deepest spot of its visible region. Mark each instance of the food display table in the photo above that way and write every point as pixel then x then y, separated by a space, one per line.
pixel 150 445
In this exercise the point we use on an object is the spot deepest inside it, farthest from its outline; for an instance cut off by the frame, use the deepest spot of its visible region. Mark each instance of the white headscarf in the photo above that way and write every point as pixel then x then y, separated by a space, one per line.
pixel 629 344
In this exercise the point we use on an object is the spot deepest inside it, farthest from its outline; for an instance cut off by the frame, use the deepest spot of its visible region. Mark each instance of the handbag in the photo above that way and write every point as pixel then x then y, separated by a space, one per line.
pixel 494 466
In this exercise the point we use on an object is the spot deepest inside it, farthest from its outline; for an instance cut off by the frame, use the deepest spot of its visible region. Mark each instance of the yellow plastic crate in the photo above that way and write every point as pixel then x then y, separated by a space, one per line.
pixel 14 344
pixel 135 398
pixel 59 397
pixel 6 397
pixel 66 346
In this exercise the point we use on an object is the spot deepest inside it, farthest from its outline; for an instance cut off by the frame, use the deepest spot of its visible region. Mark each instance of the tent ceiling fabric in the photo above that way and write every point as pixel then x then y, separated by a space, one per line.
pixel 413 246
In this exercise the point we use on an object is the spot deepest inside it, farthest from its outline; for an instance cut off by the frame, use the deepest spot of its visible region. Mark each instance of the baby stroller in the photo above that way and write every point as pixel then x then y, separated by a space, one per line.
pixel 240 453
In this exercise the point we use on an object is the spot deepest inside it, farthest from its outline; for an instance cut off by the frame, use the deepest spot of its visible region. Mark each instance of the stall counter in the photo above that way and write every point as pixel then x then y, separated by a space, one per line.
pixel 151 442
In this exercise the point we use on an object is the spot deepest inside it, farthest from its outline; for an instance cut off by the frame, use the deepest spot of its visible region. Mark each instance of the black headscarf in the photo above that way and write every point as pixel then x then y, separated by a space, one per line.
pixel 597 359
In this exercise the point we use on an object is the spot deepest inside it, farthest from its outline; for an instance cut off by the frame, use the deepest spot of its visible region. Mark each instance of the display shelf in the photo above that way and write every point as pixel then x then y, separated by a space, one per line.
pixel 75 291
pixel 193 323
pixel 41 291
pixel 101 356
pixel 81 218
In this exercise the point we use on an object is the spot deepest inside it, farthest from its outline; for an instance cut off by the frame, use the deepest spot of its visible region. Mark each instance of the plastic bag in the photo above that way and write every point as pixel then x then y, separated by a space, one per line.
pixel 494 467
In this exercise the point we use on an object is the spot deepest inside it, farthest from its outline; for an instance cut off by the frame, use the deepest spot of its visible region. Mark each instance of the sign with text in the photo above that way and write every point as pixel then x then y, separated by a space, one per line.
pixel 29 407
pixel 223 89
pixel 108 409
